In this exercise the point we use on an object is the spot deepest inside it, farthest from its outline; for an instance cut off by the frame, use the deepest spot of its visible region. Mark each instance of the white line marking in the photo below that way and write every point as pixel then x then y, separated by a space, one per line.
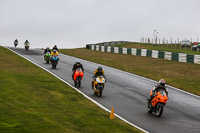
pixel 101 106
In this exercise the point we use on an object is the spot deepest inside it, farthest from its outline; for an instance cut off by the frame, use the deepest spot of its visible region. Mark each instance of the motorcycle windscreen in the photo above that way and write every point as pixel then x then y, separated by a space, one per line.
pixel 48 53
pixel 79 69
pixel 162 92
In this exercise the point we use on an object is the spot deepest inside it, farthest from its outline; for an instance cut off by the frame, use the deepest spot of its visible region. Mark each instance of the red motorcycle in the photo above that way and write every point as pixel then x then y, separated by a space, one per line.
pixel 78 76
pixel 157 103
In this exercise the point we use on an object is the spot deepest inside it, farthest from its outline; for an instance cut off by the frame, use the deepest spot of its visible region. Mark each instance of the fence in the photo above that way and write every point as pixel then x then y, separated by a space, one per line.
pixel 181 57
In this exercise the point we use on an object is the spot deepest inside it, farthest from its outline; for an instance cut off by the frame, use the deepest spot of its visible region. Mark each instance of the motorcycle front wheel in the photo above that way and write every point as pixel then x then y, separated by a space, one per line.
pixel 159 110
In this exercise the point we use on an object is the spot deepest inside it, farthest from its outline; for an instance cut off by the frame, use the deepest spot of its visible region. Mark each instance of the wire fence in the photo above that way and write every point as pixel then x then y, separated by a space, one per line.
pixel 174 43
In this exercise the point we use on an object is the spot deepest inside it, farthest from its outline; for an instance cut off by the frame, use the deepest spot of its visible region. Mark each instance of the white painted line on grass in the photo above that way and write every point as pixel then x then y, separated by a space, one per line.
pixel 101 106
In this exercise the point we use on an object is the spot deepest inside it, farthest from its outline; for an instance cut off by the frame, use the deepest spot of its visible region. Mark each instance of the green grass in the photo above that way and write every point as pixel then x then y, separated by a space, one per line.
pixel 161 47
pixel 185 76
pixel 34 101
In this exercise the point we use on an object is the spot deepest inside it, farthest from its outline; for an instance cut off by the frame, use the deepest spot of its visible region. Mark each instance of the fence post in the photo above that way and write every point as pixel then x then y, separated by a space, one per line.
pixel 191 45
pixel 175 44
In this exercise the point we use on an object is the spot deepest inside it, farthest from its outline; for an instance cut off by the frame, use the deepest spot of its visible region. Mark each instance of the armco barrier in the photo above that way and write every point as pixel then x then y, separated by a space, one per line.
pixel 138 51
pixel 144 52
pixel 154 54
pixel 190 58
pixel 181 57
pixel 120 50
pixel 128 50
pixel 197 59
pixel 97 48
pixel 124 50
pixel 134 51
pixel 175 56
pixel 108 49
pixel 149 53
pixel 168 56
pixel 161 54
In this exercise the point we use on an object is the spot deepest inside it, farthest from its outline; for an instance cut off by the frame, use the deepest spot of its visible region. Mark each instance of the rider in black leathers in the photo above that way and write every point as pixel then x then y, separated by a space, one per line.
pixel 55 47
pixel 47 50
pixel 16 43
pixel 75 66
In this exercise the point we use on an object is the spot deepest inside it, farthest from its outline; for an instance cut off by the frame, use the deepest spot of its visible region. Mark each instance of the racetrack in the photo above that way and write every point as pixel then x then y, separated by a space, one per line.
pixel 127 93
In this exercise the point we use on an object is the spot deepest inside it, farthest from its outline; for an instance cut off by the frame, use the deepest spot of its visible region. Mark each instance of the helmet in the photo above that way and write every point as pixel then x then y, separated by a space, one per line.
pixel 47 47
pixel 162 82
pixel 54 51
pixel 55 46
pixel 99 69
pixel 78 61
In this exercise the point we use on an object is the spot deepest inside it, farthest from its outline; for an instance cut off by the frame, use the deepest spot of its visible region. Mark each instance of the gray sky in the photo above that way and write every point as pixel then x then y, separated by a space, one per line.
pixel 74 23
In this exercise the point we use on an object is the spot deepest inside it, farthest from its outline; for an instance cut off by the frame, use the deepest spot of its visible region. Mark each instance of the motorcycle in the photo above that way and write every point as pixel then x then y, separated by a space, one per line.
pixel 47 57
pixel 98 85
pixel 26 46
pixel 78 76
pixel 157 103
pixel 54 61
pixel 15 43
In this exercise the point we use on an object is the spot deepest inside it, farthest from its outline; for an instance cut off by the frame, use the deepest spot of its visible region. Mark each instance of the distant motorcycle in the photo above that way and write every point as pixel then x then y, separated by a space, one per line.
pixel 157 103
pixel 78 76
pixel 26 46
pixel 54 61
pixel 15 43
pixel 98 85
pixel 47 57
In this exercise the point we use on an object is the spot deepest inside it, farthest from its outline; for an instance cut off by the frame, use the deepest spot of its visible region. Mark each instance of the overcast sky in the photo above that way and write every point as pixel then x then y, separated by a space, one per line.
pixel 74 23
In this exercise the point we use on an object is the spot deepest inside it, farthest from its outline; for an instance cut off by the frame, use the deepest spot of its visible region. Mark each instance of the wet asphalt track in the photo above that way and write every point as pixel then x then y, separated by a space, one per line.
pixel 127 93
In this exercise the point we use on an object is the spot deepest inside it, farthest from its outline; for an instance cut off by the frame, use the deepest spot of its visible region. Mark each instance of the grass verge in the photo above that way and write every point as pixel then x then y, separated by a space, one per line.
pixel 34 101
pixel 185 76
pixel 165 47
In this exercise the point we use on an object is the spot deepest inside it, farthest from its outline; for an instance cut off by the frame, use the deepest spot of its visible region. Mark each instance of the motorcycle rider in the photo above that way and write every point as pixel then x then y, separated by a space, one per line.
pixel 158 86
pixel 75 66
pixel 55 47
pixel 54 53
pixel 47 50
pixel 98 72
pixel 26 42
pixel 15 42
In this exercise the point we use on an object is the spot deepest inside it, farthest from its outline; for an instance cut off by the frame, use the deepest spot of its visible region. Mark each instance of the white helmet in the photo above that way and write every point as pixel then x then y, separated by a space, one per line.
pixel 162 82
pixel 78 61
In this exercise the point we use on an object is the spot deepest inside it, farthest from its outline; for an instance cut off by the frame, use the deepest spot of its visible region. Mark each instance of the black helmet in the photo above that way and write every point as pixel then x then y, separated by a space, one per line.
pixel 99 69
pixel 162 82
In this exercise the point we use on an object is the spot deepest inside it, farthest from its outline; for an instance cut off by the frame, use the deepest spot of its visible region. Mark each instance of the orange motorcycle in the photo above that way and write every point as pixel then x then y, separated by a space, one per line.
pixel 157 103
pixel 78 76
